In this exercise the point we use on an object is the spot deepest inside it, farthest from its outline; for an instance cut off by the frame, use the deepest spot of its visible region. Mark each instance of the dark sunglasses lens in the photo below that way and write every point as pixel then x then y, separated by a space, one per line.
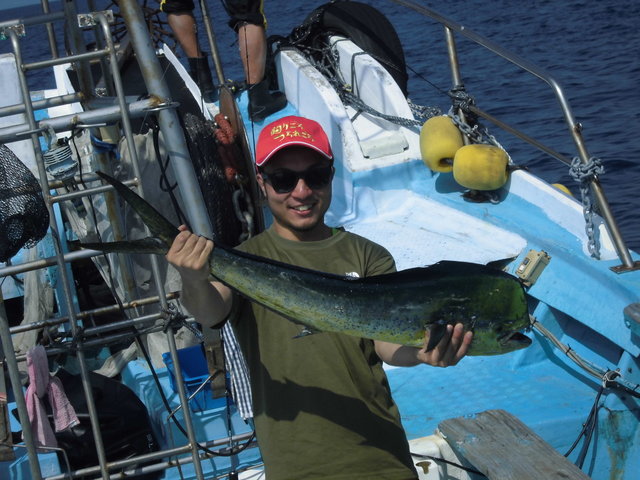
pixel 284 181
pixel 317 177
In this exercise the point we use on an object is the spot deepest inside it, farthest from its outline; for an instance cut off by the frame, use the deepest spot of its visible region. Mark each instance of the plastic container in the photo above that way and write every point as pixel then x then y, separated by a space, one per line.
pixel 193 365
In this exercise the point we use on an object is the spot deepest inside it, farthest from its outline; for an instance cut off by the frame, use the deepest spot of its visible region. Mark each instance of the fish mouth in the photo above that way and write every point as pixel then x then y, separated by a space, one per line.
pixel 514 337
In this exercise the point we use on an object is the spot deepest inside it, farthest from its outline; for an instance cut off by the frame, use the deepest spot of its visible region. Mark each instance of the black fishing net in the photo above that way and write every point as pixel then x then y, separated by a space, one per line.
pixel 24 217
pixel 217 190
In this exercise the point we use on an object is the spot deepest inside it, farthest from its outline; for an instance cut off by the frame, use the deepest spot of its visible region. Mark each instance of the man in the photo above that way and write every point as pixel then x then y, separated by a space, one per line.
pixel 322 404
pixel 248 20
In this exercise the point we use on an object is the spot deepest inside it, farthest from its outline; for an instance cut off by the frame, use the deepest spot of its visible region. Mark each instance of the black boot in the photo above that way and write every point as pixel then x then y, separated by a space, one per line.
pixel 262 102
pixel 201 74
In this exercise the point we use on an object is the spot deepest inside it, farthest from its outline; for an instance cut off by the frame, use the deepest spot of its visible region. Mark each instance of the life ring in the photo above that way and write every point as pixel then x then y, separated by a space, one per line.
pixel 440 139
pixel 481 167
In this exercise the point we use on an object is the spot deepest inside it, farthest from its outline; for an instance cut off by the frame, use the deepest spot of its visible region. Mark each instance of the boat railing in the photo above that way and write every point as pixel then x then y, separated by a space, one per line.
pixel 122 110
pixel 574 127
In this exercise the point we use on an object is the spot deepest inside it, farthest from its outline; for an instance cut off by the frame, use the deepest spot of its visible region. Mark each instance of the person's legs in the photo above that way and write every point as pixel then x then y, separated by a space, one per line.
pixel 185 29
pixel 253 51
pixel 183 25
pixel 247 18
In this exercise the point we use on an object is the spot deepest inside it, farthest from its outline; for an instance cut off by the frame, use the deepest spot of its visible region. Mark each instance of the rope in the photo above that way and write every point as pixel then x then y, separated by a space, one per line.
pixel 326 60
pixel 244 212
pixel 176 319
pixel 423 112
pixel 584 174
pixel 462 101
pixel 609 378
pixel 241 200
pixel 353 100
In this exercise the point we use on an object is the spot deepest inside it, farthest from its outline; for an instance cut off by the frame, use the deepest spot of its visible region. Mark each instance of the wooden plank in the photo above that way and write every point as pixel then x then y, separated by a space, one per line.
pixel 503 448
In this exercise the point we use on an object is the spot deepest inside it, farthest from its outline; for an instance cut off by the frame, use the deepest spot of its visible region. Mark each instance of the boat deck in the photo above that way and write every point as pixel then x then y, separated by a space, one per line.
pixel 483 383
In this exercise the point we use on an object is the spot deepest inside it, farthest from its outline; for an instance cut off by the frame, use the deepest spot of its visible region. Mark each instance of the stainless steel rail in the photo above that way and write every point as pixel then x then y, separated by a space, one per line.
pixel 574 128
pixel 121 111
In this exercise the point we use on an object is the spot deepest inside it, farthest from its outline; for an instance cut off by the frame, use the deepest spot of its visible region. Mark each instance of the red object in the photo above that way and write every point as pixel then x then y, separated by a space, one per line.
pixel 290 131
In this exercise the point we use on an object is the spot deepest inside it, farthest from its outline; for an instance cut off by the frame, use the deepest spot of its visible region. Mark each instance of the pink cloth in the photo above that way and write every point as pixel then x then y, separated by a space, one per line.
pixel 41 383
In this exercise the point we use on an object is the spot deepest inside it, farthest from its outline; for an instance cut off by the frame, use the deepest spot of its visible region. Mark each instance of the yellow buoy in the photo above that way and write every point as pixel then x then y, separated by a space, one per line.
pixel 440 139
pixel 480 167
pixel 562 188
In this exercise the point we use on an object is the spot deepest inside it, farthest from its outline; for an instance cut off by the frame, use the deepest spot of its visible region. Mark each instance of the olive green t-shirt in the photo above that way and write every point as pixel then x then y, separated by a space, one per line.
pixel 322 403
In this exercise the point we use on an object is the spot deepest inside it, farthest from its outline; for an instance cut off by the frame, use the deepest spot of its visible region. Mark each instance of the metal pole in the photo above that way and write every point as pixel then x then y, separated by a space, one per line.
pixel 455 72
pixel 42 104
pixel 42 173
pixel 183 171
pixel 100 117
pixel 82 67
pixel 16 386
pixel 168 119
pixel 213 44
pixel 53 45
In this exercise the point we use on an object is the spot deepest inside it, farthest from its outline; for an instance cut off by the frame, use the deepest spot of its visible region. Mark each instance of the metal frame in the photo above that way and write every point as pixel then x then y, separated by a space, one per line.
pixel 121 110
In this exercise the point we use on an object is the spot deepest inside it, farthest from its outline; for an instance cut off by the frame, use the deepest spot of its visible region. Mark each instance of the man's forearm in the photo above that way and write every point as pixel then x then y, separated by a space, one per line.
pixel 397 355
pixel 208 302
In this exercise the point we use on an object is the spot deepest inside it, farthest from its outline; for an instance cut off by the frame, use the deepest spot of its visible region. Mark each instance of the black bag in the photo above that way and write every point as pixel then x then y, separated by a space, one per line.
pixel 123 418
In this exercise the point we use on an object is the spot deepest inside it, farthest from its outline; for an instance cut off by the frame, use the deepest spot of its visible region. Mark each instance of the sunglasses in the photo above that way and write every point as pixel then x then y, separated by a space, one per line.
pixel 284 180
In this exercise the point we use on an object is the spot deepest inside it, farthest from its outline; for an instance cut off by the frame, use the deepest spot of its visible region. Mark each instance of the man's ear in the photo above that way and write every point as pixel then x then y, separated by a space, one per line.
pixel 261 184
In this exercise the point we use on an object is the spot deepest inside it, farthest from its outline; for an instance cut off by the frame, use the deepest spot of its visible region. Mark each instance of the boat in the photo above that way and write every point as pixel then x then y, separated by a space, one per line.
pixel 568 406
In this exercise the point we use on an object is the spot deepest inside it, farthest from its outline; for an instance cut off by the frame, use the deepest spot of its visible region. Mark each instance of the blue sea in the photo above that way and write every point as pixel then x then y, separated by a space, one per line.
pixel 592 49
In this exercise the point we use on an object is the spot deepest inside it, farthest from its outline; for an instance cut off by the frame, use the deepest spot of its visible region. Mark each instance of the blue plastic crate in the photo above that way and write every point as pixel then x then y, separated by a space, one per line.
pixel 193 365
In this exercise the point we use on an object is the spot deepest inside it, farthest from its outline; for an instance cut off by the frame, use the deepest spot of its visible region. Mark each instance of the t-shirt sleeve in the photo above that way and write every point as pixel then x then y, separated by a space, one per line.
pixel 379 260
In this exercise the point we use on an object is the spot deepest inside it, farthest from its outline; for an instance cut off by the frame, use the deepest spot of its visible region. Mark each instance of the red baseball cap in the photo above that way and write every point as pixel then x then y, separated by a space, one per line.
pixel 290 131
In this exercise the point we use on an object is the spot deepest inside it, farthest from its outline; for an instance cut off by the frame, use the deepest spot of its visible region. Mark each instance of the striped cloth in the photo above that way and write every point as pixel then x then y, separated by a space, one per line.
pixel 235 364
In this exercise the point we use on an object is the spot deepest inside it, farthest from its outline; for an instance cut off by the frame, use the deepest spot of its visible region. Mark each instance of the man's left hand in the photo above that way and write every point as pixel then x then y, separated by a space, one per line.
pixel 449 350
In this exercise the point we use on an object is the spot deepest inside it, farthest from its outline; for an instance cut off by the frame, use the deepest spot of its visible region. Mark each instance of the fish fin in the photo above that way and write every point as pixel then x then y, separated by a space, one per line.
pixel 500 264
pixel 305 332
pixel 143 245
pixel 436 332
pixel 444 268
pixel 159 226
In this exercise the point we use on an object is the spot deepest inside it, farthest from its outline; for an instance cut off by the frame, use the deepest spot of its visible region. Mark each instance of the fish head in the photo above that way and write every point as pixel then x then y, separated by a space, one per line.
pixel 498 337
pixel 505 314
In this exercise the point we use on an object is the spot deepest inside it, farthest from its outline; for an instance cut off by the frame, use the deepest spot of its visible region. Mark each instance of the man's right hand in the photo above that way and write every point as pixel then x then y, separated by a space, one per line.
pixel 189 254
pixel 208 301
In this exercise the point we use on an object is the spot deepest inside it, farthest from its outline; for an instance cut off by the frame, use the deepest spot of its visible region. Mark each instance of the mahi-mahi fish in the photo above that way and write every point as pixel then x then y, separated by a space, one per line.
pixel 397 307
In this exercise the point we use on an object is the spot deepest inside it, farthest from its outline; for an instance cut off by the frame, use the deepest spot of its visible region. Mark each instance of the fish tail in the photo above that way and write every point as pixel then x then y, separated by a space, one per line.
pixel 159 226
pixel 144 245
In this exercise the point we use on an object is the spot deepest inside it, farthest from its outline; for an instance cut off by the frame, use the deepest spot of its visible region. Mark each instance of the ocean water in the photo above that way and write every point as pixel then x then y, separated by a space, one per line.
pixel 592 49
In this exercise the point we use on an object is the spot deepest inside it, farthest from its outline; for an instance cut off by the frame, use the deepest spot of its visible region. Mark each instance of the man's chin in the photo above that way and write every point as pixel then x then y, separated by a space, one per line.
pixel 303 225
pixel 304 228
